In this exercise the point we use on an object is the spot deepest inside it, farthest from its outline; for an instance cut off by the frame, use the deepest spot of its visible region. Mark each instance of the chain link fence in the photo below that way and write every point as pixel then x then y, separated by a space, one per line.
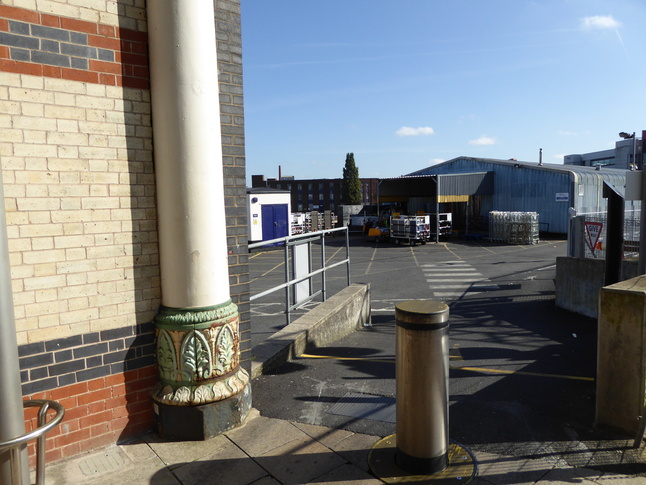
pixel 593 233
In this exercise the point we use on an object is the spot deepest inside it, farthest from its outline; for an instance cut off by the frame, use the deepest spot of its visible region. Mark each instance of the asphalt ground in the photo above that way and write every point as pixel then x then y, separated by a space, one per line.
pixel 521 370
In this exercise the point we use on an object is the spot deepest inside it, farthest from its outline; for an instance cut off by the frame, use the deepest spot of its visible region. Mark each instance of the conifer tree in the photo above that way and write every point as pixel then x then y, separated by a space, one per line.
pixel 351 182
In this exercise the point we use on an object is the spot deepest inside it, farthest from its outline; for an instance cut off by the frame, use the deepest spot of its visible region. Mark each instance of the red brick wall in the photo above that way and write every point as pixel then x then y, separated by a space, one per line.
pixel 98 413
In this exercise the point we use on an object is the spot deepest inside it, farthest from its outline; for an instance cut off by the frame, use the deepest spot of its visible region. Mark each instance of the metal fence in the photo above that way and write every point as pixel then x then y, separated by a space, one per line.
pixel 299 274
pixel 589 233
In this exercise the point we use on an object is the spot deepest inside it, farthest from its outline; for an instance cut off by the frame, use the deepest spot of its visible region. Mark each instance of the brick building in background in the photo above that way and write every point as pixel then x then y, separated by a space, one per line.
pixel 318 194
pixel 78 174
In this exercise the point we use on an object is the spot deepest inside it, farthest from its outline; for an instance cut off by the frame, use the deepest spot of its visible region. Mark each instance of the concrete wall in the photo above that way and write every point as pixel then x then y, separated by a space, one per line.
pixel 333 319
pixel 579 280
pixel 621 356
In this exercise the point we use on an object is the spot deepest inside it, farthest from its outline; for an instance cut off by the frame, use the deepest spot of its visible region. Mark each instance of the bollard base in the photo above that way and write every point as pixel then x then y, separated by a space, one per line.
pixel 421 466
pixel 461 467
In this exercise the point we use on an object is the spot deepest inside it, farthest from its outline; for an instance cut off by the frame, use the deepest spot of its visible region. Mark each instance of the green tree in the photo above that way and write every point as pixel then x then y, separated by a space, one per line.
pixel 351 182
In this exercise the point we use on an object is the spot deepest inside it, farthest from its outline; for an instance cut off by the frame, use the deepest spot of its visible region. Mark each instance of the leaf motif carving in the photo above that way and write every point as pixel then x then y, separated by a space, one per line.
pixel 166 358
pixel 195 357
pixel 225 351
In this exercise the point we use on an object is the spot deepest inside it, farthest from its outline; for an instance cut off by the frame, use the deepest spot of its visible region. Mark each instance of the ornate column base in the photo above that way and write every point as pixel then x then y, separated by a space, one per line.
pixel 204 421
pixel 203 391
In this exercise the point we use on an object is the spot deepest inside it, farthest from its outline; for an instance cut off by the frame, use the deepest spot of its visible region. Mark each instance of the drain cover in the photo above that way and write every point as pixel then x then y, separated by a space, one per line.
pixel 365 406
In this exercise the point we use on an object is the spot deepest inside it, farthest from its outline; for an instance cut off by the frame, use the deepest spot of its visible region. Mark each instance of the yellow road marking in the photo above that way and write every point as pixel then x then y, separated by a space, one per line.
pixel 522 373
pixel 446 246
pixel 331 357
pixel 372 258
pixel 413 255
pixel 469 369
pixel 267 272
pixel 335 253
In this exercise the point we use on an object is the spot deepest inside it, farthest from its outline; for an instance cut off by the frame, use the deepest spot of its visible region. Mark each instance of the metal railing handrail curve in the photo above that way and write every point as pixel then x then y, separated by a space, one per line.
pixel 16 443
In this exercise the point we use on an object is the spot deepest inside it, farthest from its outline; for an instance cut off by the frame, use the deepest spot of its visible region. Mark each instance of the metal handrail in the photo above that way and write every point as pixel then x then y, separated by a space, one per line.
pixel 290 282
pixel 14 444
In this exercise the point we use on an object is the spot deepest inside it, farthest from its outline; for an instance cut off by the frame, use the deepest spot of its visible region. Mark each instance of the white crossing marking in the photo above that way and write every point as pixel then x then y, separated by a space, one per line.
pixel 454 279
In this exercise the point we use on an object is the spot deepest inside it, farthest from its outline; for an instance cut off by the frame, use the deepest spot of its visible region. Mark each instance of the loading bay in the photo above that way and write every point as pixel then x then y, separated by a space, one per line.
pixel 522 370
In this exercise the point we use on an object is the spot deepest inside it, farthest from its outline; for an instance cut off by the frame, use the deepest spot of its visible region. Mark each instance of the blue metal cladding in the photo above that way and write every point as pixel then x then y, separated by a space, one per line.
pixel 549 190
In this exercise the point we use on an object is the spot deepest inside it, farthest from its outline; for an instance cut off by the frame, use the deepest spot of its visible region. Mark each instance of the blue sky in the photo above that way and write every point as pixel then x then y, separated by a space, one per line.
pixel 404 84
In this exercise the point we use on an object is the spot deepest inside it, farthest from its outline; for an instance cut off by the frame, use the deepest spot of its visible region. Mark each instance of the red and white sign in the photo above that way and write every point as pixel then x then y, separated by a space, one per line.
pixel 593 231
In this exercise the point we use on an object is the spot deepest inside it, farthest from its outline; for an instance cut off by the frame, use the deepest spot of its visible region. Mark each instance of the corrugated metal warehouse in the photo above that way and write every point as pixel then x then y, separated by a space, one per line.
pixel 472 187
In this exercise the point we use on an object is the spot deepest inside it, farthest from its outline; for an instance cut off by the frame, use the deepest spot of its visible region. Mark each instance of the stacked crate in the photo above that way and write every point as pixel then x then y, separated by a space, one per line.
pixel 513 227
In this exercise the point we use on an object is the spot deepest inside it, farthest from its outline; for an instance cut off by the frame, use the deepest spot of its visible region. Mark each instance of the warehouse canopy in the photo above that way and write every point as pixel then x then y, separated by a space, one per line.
pixel 446 187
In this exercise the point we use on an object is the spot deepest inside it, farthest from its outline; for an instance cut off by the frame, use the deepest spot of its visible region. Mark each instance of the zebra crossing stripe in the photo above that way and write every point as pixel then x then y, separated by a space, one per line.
pixel 453 279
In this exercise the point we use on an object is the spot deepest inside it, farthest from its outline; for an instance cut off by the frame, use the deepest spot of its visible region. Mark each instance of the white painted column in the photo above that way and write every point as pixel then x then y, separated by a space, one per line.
pixel 188 153
pixel 203 390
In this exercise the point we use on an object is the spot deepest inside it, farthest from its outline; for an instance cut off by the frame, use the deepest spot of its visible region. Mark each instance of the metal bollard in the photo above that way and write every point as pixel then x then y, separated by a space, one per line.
pixel 422 386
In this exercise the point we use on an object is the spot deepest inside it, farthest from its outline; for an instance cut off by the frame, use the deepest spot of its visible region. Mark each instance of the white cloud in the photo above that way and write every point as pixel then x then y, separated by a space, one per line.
pixel 434 161
pixel 600 22
pixel 568 133
pixel 483 140
pixel 419 131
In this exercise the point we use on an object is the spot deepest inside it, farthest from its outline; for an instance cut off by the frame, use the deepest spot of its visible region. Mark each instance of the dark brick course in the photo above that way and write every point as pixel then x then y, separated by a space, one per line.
pixel 19 41
pixel 30 349
pixel 50 33
pixel 46 365
pixel 64 343
pixel 90 350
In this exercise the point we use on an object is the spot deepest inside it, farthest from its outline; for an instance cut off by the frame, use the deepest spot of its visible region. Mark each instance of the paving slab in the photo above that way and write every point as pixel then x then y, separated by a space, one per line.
pixel 356 449
pixel 347 475
pixel 570 475
pixel 229 464
pixel 262 435
pixel 299 461
pixel 501 470
pixel 108 466
pixel 326 436
pixel 177 453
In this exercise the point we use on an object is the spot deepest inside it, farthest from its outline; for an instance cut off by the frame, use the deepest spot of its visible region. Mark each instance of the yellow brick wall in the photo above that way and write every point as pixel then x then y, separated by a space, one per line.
pixel 79 201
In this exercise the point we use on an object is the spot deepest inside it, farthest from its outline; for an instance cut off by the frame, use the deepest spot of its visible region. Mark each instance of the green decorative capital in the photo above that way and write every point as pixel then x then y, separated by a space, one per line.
pixel 173 317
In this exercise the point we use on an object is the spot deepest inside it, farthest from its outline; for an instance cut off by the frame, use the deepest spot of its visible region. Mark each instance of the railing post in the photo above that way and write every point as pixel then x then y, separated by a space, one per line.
pixel 347 251
pixel 288 303
pixel 323 275
pixel 422 386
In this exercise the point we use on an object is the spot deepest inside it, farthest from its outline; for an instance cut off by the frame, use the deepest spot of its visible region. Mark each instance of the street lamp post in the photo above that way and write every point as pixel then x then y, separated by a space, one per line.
pixel 641 265
pixel 628 136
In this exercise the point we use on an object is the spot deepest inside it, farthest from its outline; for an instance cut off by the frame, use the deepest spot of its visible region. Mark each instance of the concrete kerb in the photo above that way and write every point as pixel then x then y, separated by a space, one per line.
pixel 331 320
